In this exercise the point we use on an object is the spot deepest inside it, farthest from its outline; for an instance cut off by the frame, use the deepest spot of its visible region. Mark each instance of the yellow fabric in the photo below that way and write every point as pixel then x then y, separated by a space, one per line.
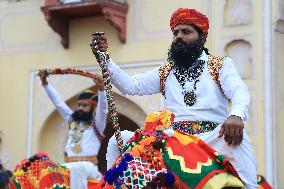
pixel 90 180
pixel 164 116
pixel 185 139
pixel 223 180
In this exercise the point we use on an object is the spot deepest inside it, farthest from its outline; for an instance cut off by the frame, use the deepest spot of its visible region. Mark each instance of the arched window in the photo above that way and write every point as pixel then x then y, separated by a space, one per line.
pixel 240 52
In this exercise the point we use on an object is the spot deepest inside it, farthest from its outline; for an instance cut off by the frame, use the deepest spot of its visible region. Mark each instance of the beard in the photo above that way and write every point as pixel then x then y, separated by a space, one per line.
pixel 79 116
pixel 184 55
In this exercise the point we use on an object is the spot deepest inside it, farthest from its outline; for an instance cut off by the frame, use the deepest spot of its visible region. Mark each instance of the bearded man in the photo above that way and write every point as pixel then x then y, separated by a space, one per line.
pixel 86 127
pixel 197 88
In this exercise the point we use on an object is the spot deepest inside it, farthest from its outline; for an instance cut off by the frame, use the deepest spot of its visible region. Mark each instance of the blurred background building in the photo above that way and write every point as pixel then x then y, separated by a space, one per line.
pixel 37 34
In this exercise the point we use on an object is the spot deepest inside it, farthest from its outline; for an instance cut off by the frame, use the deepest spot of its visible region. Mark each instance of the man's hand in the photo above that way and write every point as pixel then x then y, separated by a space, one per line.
pixel 232 129
pixel 43 75
pixel 98 80
pixel 99 42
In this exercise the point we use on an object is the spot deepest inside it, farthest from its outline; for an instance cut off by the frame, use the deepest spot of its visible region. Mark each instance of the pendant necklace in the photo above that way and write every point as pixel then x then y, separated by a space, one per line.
pixel 188 78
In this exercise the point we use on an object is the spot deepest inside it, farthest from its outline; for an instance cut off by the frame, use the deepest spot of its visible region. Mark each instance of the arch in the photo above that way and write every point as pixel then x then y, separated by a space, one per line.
pixel 53 134
pixel 240 51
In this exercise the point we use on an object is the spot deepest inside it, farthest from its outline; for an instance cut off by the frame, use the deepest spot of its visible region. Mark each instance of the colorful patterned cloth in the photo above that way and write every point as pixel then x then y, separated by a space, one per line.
pixel 39 172
pixel 158 156
pixel 194 127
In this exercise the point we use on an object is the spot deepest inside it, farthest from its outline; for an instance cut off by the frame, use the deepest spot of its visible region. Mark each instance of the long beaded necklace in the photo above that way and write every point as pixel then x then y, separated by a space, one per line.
pixel 188 79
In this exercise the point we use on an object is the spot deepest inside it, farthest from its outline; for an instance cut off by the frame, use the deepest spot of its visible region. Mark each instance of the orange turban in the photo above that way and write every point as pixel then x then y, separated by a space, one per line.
pixel 190 17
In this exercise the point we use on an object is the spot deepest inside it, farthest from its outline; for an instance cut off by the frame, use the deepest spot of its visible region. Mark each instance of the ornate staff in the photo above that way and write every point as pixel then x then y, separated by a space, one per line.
pixel 59 71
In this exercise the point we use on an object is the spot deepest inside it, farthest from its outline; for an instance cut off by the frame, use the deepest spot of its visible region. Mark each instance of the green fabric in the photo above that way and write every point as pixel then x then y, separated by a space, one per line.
pixel 190 179
pixel 15 182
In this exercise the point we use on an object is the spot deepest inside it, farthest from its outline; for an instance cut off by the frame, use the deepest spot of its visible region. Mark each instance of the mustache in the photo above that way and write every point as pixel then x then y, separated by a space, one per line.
pixel 179 43
pixel 185 54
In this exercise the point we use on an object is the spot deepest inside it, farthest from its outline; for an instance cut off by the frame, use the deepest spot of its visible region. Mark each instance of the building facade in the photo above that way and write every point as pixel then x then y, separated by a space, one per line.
pixel 250 32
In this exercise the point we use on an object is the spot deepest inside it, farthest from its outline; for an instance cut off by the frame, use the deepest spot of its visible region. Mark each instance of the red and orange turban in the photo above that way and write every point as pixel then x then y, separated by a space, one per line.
pixel 190 17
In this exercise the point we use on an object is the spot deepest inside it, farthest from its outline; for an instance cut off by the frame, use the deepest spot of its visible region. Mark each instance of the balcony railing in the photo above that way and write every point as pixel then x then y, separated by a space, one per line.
pixel 58 13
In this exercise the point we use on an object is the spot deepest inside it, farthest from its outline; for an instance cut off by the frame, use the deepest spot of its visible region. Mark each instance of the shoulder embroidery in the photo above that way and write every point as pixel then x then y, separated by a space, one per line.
pixel 215 64
pixel 164 73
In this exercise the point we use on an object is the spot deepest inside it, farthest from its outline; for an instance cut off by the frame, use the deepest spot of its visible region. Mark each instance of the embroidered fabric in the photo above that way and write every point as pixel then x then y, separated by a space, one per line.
pixel 194 127
pixel 215 64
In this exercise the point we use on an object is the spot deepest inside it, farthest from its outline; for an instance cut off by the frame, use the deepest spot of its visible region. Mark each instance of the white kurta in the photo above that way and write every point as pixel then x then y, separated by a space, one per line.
pixel 90 144
pixel 211 105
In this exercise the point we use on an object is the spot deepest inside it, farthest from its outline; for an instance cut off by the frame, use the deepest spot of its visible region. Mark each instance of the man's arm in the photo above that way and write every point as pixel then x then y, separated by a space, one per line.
pixel 146 83
pixel 235 89
pixel 60 105
pixel 101 112
pixel 102 106
pixel 139 84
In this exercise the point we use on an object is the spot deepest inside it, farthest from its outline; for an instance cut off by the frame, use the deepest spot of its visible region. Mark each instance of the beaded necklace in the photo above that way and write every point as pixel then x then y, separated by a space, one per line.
pixel 188 79
pixel 76 131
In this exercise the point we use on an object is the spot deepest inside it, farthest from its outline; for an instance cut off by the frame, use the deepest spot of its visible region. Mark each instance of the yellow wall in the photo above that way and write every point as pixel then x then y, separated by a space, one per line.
pixel 27 44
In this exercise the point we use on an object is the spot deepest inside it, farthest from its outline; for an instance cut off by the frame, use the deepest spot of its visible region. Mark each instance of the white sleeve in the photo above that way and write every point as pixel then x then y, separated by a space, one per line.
pixel 146 83
pixel 101 112
pixel 235 89
pixel 60 105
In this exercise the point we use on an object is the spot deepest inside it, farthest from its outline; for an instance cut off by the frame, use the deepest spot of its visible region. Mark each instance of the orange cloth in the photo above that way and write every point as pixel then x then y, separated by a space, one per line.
pixel 190 17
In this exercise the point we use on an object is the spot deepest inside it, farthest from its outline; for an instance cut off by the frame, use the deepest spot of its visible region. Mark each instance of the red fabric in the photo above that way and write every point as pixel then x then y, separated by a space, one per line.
pixel 190 17
pixel 262 183
pixel 49 180
pixel 92 185
pixel 151 126
pixel 100 185
pixel 264 186
pixel 12 185
pixel 193 153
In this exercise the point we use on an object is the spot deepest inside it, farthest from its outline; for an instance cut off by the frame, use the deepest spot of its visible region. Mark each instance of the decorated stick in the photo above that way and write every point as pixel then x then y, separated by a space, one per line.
pixel 102 60
pixel 69 71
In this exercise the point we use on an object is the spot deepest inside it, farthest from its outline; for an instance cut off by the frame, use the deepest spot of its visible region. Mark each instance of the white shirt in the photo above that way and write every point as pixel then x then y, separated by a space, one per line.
pixel 211 103
pixel 90 143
